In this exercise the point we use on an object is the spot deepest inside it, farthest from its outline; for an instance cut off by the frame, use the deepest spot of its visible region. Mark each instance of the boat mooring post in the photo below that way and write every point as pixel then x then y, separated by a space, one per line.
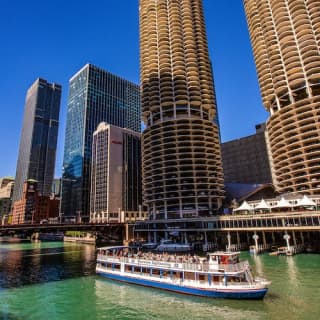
pixel 256 238
pixel 287 238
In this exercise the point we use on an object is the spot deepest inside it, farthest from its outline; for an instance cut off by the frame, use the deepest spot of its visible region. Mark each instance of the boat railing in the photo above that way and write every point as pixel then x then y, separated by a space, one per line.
pixel 177 264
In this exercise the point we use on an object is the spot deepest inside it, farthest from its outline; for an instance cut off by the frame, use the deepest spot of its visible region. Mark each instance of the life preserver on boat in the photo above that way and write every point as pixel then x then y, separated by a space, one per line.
pixel 224 260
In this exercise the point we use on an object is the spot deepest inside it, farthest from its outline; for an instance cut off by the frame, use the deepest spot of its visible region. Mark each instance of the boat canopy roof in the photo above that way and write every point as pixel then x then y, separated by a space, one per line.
pixel 222 253
pixel 114 248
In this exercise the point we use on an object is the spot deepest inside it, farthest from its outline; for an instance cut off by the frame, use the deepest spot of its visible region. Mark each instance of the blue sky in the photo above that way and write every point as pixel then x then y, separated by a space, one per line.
pixel 54 39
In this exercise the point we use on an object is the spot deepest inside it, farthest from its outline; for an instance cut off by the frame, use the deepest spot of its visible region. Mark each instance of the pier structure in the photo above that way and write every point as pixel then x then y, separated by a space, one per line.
pixel 299 229
pixel 237 232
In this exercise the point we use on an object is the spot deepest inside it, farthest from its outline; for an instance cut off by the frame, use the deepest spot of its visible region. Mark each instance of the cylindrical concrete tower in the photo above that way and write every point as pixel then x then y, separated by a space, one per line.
pixel 182 169
pixel 285 36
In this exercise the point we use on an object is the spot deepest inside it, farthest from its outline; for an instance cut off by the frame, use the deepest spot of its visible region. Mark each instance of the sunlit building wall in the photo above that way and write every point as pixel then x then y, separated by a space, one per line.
pixel 116 191
pixel 285 36
pixel 182 168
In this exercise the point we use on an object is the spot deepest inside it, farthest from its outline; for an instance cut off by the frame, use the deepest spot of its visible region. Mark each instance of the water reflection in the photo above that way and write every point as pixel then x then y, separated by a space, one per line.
pixel 294 293
pixel 292 271
pixel 258 265
pixel 8 316
pixel 43 262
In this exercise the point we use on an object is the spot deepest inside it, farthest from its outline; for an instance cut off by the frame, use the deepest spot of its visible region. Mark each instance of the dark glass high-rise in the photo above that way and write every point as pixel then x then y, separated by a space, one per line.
pixel 95 95
pixel 38 143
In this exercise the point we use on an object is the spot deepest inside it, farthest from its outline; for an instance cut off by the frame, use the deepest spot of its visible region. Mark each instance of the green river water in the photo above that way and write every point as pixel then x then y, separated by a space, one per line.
pixel 57 281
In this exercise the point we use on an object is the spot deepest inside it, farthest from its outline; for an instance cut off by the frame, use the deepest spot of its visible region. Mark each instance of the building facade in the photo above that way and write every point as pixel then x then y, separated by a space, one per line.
pixel 285 37
pixel 33 207
pixel 56 188
pixel 182 168
pixel 6 191
pixel 246 160
pixel 116 186
pixel 95 95
pixel 38 143
pixel 6 187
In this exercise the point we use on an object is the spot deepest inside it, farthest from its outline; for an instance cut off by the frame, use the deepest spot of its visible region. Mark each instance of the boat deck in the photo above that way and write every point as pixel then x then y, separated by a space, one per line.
pixel 179 262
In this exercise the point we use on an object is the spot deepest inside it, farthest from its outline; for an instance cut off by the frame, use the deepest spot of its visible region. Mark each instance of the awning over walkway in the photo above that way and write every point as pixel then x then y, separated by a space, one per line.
pixel 262 206
pixel 283 203
pixel 305 202
pixel 245 206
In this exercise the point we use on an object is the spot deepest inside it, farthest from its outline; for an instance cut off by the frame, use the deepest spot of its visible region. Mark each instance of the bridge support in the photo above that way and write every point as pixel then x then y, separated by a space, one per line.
pixel 294 238
pixel 256 244
pixel 302 238
pixel 264 240
pixel 229 241
pixel 205 239
pixel 128 234
pixel 248 237
pixel 185 237
pixel 308 236
pixel 273 238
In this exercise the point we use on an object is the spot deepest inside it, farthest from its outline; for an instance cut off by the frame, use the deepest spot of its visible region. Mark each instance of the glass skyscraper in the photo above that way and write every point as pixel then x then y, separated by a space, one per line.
pixel 38 143
pixel 95 96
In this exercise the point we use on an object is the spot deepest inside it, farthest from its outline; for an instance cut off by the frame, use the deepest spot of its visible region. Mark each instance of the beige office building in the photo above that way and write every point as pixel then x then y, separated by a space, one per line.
pixel 115 175
pixel 182 168
pixel 285 36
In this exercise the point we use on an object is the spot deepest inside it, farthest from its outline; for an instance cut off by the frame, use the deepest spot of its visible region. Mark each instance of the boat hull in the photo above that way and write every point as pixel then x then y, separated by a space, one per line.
pixel 253 294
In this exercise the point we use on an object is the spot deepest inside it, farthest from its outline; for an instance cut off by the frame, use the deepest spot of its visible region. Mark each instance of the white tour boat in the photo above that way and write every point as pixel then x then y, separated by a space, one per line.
pixel 219 275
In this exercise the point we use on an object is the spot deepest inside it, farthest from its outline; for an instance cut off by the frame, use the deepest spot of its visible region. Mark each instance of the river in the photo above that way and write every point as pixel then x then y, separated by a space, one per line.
pixel 53 280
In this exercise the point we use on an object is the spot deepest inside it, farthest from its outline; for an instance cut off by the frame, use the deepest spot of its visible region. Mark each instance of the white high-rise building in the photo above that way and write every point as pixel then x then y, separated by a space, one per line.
pixel 115 174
